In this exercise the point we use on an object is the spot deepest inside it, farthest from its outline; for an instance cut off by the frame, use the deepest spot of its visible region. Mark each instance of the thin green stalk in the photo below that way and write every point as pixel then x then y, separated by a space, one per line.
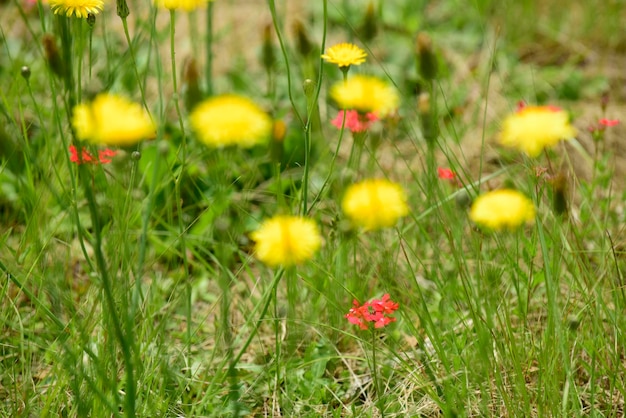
pixel 283 48
pixel 380 399
pixel 182 229
pixel 209 49
pixel 134 59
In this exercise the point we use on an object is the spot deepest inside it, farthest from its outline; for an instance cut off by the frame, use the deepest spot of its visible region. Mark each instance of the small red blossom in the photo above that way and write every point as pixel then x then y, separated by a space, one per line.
pixel 445 173
pixel 104 156
pixel 376 311
pixel 355 121
pixel 607 123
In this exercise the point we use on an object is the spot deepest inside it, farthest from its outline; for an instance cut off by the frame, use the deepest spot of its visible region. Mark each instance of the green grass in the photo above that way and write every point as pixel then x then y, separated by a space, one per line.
pixel 131 288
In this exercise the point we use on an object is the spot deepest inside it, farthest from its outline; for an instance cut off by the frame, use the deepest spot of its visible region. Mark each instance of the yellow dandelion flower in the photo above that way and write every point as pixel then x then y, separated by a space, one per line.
pixel 231 120
pixel 186 5
pixel 286 240
pixel 502 209
pixel 375 203
pixel 533 128
pixel 345 55
pixel 112 120
pixel 365 94
pixel 78 8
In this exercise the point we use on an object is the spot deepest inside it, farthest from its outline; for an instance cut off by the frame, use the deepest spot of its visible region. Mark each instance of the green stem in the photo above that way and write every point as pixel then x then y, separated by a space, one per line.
pixel 380 400
pixel 133 58
pixel 177 184
pixel 209 49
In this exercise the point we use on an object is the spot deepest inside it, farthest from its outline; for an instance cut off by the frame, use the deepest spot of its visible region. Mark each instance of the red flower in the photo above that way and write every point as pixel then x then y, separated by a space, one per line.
pixel 355 122
pixel 445 173
pixel 104 156
pixel 377 311
pixel 607 123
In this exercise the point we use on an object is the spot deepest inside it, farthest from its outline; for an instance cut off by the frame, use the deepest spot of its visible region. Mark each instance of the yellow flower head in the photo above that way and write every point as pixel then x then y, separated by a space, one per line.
pixel 345 55
pixel 79 8
pixel 286 240
pixel 533 128
pixel 502 209
pixel 365 94
pixel 231 120
pixel 187 5
pixel 112 120
pixel 375 203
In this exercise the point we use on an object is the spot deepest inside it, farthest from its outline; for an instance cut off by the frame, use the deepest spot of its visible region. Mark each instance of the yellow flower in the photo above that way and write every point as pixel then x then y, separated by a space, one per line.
pixel 231 120
pixel 112 120
pixel 187 5
pixel 286 240
pixel 365 94
pixel 375 203
pixel 533 128
pixel 345 55
pixel 80 8
pixel 502 209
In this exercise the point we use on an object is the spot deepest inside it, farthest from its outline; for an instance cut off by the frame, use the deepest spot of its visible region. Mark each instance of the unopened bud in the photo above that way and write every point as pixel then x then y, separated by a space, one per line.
pixel 369 27
pixel 604 101
pixel 559 190
pixel 427 66
pixel 91 20
pixel 304 44
pixel 309 87
pixel 135 155
pixel 191 83
pixel 277 145
pixel 122 9
pixel 25 71
pixel 279 130
pixel 427 118
pixel 267 53
pixel 53 58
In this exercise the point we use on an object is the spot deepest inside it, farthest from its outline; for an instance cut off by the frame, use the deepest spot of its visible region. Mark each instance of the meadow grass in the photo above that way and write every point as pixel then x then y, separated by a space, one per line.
pixel 133 286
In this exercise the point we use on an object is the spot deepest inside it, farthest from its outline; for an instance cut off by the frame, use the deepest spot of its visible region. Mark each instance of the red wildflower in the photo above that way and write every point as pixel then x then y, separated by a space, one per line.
pixel 355 121
pixel 377 311
pixel 104 156
pixel 445 173
pixel 607 123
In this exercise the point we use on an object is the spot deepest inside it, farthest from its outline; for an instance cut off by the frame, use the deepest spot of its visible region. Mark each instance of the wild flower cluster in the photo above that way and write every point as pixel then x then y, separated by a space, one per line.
pixel 376 311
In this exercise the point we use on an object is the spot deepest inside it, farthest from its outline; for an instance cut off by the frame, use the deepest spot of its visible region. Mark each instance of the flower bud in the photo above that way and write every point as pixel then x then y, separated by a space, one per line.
pixel 192 94
pixel 304 44
pixel 369 27
pixel 427 118
pixel 559 196
pixel 91 20
pixel 277 144
pixel 135 155
pixel 267 52
pixel 122 9
pixel 309 88
pixel 53 58
pixel 427 67
pixel 25 71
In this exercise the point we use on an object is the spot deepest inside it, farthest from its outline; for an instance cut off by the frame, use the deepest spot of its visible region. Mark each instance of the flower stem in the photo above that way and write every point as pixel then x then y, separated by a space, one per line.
pixel 177 184
pixel 380 400
pixel 209 49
